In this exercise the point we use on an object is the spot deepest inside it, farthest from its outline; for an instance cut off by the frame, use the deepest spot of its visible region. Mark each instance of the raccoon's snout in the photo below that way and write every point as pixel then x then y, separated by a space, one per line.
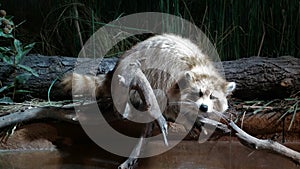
pixel 203 108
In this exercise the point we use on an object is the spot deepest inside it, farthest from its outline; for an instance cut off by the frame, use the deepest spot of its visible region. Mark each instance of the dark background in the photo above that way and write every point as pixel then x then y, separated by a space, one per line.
pixel 237 28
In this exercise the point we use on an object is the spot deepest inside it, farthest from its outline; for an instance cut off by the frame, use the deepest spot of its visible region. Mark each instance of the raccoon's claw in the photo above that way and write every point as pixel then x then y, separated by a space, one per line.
pixel 163 127
pixel 130 163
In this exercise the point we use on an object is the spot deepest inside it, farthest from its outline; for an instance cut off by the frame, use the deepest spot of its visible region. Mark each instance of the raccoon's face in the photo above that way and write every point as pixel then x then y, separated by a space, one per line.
pixel 208 92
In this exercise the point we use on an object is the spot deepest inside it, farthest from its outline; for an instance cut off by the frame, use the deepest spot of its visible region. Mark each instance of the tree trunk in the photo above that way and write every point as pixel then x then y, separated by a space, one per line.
pixel 256 77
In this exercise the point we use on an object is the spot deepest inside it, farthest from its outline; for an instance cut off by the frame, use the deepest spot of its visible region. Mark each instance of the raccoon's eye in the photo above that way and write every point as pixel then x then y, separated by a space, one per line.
pixel 200 94
pixel 211 97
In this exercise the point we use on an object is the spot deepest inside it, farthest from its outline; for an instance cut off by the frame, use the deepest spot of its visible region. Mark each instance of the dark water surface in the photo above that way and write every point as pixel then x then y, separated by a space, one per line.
pixel 186 155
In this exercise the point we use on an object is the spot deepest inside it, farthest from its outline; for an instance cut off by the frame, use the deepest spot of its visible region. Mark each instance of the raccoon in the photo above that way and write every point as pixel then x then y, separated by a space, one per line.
pixel 175 67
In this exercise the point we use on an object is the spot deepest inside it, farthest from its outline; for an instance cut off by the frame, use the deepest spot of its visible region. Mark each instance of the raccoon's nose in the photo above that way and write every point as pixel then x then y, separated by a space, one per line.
pixel 203 108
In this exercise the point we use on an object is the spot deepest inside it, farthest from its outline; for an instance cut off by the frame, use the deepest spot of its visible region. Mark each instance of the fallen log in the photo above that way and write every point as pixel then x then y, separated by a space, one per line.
pixel 50 70
pixel 266 78
pixel 256 77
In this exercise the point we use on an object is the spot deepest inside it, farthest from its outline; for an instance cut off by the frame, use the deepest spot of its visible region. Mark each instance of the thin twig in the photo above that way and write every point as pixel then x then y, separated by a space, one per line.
pixel 243 117
pixel 259 107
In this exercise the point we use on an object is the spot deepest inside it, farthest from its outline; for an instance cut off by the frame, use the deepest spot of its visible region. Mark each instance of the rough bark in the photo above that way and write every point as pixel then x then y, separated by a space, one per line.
pixel 256 77
pixel 259 77
pixel 50 70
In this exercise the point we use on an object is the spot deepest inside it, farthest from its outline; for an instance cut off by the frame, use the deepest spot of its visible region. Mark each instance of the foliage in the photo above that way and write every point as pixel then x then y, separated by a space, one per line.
pixel 13 55
pixel 236 28
pixel 246 28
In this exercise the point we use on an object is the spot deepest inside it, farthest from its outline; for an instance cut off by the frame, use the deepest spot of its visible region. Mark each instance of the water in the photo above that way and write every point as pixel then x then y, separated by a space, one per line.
pixel 186 155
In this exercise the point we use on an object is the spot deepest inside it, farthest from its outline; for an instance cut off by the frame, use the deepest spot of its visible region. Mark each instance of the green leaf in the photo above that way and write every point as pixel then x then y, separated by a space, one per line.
pixel 5 100
pixel 6 59
pixel 28 69
pixel 2 34
pixel 3 88
pixel 29 46
pixel 19 50
pixel 17 45
pixel 27 49
pixel 6 87
pixel 22 78
pixel 5 49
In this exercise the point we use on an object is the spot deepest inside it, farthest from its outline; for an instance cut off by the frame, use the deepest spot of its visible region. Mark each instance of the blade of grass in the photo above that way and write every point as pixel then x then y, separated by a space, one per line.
pixel 294 114
pixel 265 105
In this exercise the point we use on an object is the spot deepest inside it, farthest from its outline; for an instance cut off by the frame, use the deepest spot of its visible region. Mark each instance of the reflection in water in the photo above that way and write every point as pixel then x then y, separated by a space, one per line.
pixel 186 155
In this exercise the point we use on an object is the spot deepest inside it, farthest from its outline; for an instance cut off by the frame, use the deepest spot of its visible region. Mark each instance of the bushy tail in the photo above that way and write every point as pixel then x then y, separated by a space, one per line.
pixel 85 85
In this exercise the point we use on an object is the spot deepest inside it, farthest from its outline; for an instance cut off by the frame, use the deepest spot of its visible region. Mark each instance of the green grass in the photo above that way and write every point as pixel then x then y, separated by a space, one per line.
pixel 236 28
pixel 247 28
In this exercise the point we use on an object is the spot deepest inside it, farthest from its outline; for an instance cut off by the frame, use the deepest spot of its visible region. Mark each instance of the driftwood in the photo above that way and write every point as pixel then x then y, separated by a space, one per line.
pixel 256 77
pixel 132 77
pixel 259 144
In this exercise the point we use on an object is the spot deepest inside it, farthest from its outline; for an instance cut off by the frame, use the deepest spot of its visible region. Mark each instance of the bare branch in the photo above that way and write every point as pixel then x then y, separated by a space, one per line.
pixel 131 77
pixel 38 113
pixel 260 144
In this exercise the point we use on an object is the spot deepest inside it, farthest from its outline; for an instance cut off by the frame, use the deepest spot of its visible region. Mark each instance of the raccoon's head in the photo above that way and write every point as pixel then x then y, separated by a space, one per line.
pixel 207 91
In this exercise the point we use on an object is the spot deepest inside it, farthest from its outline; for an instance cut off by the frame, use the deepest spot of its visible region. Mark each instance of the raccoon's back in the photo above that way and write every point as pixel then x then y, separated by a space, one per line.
pixel 164 58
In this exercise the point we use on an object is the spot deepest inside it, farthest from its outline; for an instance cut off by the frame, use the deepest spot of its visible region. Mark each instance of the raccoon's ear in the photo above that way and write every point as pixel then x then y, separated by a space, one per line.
pixel 230 87
pixel 188 75
pixel 185 79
